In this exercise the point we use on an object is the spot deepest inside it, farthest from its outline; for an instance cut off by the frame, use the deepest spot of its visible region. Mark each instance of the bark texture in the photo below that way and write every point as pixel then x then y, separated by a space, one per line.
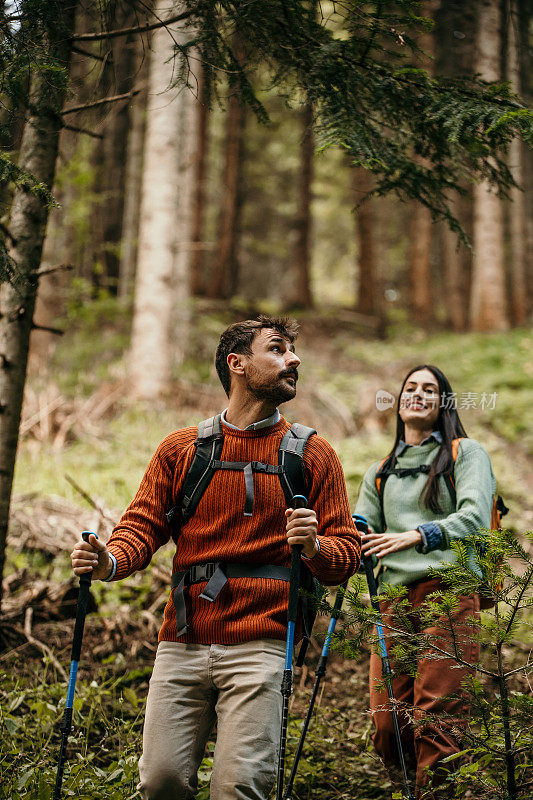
pixel 366 262
pixel 456 263
pixel 200 163
pixel 302 249
pixel 164 197
pixel 133 177
pixel 61 244
pixel 517 210
pixel 488 296
pixel 225 272
pixel 111 150
pixel 420 223
pixel 38 155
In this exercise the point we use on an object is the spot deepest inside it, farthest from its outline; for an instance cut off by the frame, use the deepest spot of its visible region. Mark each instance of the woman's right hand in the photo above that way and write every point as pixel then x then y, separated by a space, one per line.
pixel 92 556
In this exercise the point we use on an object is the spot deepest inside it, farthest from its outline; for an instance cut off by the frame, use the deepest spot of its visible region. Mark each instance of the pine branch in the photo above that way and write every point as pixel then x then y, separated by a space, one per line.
pixel 83 130
pixel 88 54
pixel 116 98
pixel 516 602
pixel 94 37
pixel 56 331
pixel 51 270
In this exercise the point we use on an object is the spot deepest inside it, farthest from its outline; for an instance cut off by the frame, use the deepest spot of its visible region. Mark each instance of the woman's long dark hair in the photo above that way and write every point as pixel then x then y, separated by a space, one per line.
pixel 450 427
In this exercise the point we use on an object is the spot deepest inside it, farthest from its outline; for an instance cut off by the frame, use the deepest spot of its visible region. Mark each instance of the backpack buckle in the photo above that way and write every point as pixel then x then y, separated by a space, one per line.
pixel 203 572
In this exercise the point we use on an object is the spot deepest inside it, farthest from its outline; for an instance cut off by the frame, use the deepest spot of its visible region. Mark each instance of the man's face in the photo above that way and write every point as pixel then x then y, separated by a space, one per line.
pixel 271 371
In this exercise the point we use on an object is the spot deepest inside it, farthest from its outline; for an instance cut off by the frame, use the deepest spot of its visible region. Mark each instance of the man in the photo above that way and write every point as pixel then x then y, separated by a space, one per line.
pixel 221 647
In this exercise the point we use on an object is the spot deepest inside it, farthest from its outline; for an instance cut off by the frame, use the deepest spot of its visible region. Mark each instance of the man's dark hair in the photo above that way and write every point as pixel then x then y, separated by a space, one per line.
pixel 238 338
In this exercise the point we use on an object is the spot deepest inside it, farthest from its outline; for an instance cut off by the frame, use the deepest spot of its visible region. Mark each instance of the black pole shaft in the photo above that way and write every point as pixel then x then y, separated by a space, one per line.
pixel 66 724
pixel 320 673
pixel 286 685
pixel 362 526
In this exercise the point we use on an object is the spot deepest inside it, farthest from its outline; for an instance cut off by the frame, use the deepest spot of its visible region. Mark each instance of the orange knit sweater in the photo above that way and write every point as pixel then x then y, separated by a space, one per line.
pixel 246 608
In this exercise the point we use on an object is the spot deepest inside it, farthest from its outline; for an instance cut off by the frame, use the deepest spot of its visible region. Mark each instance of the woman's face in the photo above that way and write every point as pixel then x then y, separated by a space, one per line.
pixel 419 401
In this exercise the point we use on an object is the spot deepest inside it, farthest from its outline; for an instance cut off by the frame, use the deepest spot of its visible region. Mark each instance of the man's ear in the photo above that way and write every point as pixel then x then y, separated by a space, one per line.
pixel 236 363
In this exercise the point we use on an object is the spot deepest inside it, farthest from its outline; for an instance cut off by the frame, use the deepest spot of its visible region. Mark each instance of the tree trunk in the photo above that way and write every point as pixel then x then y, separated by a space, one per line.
pixel 27 224
pixel 364 220
pixel 454 37
pixel 456 262
pixel 419 264
pixel 133 177
pixel 181 317
pixel 154 306
pixel 200 162
pixel 488 297
pixel 225 271
pixel 526 71
pixel 517 209
pixel 420 223
pixel 303 224
pixel 111 150
pixel 62 240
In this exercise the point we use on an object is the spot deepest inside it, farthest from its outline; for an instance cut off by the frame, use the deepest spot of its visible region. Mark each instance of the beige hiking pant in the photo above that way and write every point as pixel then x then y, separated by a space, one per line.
pixel 192 687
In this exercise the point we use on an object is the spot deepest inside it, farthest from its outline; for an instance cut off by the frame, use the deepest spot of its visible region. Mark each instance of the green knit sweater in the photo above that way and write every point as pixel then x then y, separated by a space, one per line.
pixel 404 510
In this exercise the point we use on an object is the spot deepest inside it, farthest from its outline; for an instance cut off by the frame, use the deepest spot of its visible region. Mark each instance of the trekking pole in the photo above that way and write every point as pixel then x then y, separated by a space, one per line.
pixel 298 501
pixel 320 672
pixel 362 527
pixel 66 725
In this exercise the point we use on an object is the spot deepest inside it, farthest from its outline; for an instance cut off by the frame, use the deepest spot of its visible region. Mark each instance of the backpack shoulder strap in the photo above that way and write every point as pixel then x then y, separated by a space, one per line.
pixel 208 447
pixel 449 476
pixel 455 447
pixel 290 458
pixel 381 478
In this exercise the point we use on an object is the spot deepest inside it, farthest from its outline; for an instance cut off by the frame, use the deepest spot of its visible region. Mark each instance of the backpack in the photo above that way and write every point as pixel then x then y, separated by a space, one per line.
pixel 206 461
pixel 499 509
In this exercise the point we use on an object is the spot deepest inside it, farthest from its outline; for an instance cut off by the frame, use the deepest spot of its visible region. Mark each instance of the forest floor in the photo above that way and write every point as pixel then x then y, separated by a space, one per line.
pixel 83 450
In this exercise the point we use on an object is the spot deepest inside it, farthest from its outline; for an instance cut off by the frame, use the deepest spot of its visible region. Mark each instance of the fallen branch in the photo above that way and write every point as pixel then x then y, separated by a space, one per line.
pixel 36 418
pixel 89 499
pixel 40 645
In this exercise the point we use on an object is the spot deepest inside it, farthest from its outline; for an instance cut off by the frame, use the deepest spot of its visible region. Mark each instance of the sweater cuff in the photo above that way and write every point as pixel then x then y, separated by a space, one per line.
pixel 113 568
pixel 432 538
pixel 310 558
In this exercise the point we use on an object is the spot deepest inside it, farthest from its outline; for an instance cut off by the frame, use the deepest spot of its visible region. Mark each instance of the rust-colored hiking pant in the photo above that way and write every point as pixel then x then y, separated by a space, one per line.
pixel 425 741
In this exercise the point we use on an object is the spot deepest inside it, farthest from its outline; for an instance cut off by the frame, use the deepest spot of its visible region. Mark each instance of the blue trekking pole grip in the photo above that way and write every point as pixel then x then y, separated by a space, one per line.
pixel 298 501
pixel 362 526
pixel 66 725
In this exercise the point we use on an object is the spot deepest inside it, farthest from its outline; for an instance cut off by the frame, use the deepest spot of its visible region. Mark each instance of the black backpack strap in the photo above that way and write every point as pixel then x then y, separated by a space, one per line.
pixel 293 482
pixel 216 575
pixel 448 480
pixel 384 470
pixel 208 446
pixel 291 461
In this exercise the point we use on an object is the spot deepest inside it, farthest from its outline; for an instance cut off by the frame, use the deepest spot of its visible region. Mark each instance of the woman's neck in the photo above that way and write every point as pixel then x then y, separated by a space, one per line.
pixel 414 436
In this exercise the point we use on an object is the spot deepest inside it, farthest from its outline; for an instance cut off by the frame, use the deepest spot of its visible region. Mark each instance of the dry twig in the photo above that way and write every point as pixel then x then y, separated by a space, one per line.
pixel 40 645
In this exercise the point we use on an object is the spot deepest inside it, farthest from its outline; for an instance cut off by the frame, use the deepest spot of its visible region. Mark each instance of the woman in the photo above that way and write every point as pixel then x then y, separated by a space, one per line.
pixel 417 502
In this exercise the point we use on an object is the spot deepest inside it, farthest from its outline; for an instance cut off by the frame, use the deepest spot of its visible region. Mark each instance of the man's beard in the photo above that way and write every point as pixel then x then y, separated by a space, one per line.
pixel 276 393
